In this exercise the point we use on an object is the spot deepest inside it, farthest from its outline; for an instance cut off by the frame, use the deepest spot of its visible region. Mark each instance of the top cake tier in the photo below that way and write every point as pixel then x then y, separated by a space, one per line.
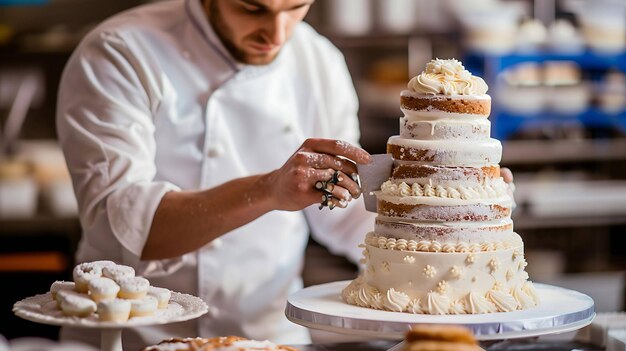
pixel 439 117
pixel 445 102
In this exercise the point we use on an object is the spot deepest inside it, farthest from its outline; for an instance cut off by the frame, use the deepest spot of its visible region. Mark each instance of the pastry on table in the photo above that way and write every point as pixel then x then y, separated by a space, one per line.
pixel 440 338
pixel 230 343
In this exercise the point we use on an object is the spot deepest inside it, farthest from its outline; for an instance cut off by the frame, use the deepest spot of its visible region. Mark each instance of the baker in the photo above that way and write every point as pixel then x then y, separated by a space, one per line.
pixel 195 133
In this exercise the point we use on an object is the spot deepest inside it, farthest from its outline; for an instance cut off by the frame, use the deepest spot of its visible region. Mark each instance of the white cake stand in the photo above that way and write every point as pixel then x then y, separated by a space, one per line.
pixel 42 309
pixel 321 307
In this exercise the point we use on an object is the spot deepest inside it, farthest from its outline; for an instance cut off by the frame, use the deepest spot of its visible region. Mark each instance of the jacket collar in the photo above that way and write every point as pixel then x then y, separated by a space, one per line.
pixel 196 14
pixel 198 18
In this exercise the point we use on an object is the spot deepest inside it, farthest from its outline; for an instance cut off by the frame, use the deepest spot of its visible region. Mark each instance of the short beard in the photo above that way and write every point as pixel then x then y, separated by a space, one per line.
pixel 223 31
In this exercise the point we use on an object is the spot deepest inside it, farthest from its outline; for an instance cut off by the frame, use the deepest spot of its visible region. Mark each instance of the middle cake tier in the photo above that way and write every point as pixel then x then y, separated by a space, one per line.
pixel 452 153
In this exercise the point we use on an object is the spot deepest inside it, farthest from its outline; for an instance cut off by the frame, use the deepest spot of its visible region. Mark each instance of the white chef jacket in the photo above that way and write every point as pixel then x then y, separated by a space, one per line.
pixel 151 102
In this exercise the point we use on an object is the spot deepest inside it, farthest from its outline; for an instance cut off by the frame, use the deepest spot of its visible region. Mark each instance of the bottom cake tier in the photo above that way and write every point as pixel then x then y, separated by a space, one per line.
pixel 443 282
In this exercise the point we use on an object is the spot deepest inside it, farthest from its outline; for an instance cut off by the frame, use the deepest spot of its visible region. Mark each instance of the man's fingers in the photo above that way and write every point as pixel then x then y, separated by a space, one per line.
pixel 506 174
pixel 337 148
pixel 350 185
pixel 316 160
pixel 345 189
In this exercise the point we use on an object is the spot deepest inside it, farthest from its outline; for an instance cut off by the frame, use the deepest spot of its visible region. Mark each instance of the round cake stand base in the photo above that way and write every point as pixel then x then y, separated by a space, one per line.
pixel 111 340
pixel 321 307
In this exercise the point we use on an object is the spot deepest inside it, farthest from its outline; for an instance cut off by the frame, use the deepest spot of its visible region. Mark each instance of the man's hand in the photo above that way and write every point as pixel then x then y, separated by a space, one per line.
pixel 507 175
pixel 292 187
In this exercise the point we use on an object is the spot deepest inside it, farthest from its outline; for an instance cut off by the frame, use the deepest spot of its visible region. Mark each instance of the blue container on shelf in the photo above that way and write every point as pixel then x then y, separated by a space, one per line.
pixel 506 123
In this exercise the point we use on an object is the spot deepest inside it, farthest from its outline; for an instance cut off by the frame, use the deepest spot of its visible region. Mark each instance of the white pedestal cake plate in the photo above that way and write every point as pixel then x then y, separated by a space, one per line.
pixel 42 309
pixel 321 307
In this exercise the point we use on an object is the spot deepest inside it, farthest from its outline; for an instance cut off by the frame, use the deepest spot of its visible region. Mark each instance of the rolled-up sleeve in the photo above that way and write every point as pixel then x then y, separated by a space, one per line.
pixel 106 129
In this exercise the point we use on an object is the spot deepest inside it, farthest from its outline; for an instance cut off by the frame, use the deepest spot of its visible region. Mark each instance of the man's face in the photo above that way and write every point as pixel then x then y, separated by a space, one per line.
pixel 254 31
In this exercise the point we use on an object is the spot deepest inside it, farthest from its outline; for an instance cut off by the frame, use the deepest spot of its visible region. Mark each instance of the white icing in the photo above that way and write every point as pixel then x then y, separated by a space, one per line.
pixel 529 289
pixel 396 301
pixel 84 272
pixel 61 294
pixel 494 188
pixel 378 302
pixel 457 307
pixel 432 200
pixel 147 304
pixel 118 272
pixel 116 310
pixel 103 263
pixel 503 301
pixel 61 285
pixel 77 305
pixel 447 77
pixel 415 306
pixel 430 268
pixel 476 304
pixel 444 129
pixel 365 294
pixel 161 294
pixel 522 298
pixel 469 232
pixel 435 115
pixel 134 284
pixel 383 242
pixel 103 289
pixel 437 303
pixel 114 306
pixel 453 152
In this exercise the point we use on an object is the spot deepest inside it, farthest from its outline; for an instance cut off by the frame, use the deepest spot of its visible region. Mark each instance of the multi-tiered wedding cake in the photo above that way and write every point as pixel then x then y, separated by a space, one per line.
pixel 443 241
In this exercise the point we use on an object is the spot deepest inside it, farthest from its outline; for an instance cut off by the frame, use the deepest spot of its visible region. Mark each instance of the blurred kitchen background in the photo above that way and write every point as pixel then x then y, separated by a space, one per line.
pixel 557 75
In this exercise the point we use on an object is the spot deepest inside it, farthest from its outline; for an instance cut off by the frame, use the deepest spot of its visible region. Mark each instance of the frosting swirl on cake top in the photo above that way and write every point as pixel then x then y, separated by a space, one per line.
pixel 447 77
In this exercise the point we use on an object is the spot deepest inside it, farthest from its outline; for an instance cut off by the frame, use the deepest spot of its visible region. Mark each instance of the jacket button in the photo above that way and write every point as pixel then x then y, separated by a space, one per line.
pixel 215 151
pixel 216 243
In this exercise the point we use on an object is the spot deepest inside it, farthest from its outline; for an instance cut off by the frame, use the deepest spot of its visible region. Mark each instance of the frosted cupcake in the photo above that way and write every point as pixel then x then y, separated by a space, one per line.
pixel 116 310
pixel 133 288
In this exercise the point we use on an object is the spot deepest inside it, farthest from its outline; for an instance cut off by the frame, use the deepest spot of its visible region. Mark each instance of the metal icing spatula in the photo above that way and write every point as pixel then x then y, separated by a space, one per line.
pixel 372 175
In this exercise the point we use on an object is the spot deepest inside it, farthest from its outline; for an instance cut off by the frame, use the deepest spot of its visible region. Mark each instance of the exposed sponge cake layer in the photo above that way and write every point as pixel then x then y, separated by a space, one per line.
pixel 474 105
pixel 402 170
pixel 444 213
pixel 445 153
pixel 440 129
pixel 470 232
